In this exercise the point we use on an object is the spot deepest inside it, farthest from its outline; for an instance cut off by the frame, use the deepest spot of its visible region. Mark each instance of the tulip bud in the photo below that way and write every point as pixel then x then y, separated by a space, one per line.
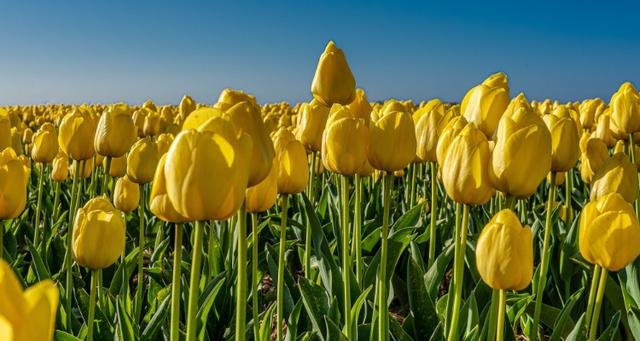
pixel 617 175
pixel 565 149
pixel 449 132
pixel 142 161
pixel 625 109
pixel 588 110
pixel 115 132
pixel 151 126
pixel 27 136
pixel 428 129
pixel 45 144
pixel 77 132
pixel 98 234
pixel 230 97
pixel 262 196
pixel 504 252
pixel 159 203
pixel 592 158
pixel 126 195
pixel 5 129
pixel 14 177
pixel 360 107
pixel 139 117
pixel 484 104
pixel 311 124
pixel 603 130
pixel 609 232
pixel 392 142
pixel 60 167
pixel 187 105
pixel 344 142
pixel 333 81
pixel 118 167
pixel 163 141
pixel 16 141
pixel 149 105
pixel 293 169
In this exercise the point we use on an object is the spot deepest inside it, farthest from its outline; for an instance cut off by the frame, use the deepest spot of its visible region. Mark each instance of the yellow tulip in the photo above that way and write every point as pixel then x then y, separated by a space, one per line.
pixel 126 195
pixel 262 196
pixel 196 164
pixel 27 136
pixel 85 169
pixel 428 129
pixel 594 155
pixel 392 142
pixel 76 135
pixel 60 167
pixel 5 129
pixel 603 130
pixel 465 168
pixel 344 142
pixel 609 232
pixel 26 315
pixel 45 144
pixel 142 161
pixel 163 141
pixel 293 169
pixel 484 104
pixel 115 132
pixel 360 107
pixel 187 106
pixel 616 175
pixel 16 141
pixel 230 97
pixel 333 81
pixel 522 154
pixel 14 177
pixel 139 116
pixel 625 109
pixel 118 167
pixel 565 149
pixel 312 120
pixel 588 110
pixel 449 132
pixel 151 126
pixel 504 252
pixel 159 203
pixel 98 234
pixel 150 105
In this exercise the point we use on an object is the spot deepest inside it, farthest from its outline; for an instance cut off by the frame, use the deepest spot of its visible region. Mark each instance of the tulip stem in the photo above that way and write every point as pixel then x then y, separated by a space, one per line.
pixel 632 155
pixel 141 242
pixel 598 304
pixel 493 313
pixel 545 258
pixel 383 317
pixel 194 282
pixel 67 260
pixel 107 176
pixel 92 304
pixel 36 225
pixel 56 201
pixel 567 196
pixel 346 261
pixel 501 310
pixel 412 196
pixel 254 276
pixel 307 241
pixel 356 252
pixel 2 238
pixel 281 265
pixel 241 286
pixel 592 293
pixel 458 271
pixel 175 285
pixel 433 213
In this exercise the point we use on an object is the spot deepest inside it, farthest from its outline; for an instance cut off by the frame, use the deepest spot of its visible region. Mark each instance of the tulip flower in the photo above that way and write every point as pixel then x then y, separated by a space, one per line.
pixel 116 132
pixel 60 167
pixel 484 104
pixel 26 314
pixel 262 196
pixel 126 195
pixel 230 97
pixel 625 109
pixel 592 158
pixel 45 144
pixel 616 175
pixel 588 110
pixel 14 177
pixel 603 130
pixel 5 129
pixel 333 81
pixel 360 107
pixel 392 142
pixel 142 161
pixel 16 141
pixel 163 142
pixel 118 166
pixel 344 142
pixel 428 129
pixel 151 125
pixel 76 135
pixel 449 133
pixel 293 173
pixel 565 149
pixel 187 106
pixel 312 120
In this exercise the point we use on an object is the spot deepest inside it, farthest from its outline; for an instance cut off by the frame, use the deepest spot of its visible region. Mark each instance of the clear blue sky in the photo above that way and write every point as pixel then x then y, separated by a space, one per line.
pixel 106 51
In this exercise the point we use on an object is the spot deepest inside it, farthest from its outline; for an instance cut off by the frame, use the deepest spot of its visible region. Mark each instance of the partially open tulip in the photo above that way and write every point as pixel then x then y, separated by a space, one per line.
pixel 465 168
pixel 60 167
pixel 360 107
pixel 588 110
pixel 26 314
pixel 565 149
pixel 116 131
pixel 312 120
pixel 142 161
pixel 262 196
pixel 522 154
pixel 98 234
pixel 126 195
pixel 45 144
pixel 76 135
pixel 592 158
pixel 344 142
pixel 293 169
pixel 617 175
pixel 392 142
pixel 625 109
pixel 504 252
pixel 484 104
pixel 159 203
pixel 609 232
pixel 333 81
pixel 14 177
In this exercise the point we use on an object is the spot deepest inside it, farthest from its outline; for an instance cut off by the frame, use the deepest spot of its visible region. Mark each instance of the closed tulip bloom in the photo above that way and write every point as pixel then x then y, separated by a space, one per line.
pixel 617 175
pixel 45 144
pixel 609 232
pixel 26 314
pixel 195 165
pixel 360 107
pixel 565 149
pixel 60 167
pixel 151 126
pixel 118 167
pixel 588 110
pixel 333 81
pixel 312 120
pixel 98 234
pixel 5 129
pixel 449 132
pixel 465 168
pixel 262 196
pixel 27 136
pixel 116 132
pixel 504 252
pixel 603 130
pixel 392 142
pixel 163 141
pixel 142 161
pixel 14 177
pixel 484 104
pixel 592 158
pixel 187 106
pixel 293 169
pixel 139 117
pixel 16 141
pixel 126 195
pixel 159 203
pixel 231 97
pixel 149 105
pixel 76 135
pixel 625 109
pixel 344 142
pixel 428 130
pixel 522 154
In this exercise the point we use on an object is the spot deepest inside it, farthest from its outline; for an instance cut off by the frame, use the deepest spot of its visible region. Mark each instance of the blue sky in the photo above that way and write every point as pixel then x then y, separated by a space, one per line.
pixel 106 51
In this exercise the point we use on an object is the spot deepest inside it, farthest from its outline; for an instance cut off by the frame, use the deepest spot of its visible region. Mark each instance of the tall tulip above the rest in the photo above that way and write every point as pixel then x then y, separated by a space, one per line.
pixel 333 81
pixel 484 104
pixel 625 109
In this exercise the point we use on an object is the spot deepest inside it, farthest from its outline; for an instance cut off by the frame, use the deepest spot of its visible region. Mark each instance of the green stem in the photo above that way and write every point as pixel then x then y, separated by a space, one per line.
pixel 458 271
pixel 175 284
pixel 493 315
pixel 212 261
pixel 36 225
pixel 632 154
pixel 307 239
pixel 107 176
pixel 501 310
pixel 383 314
pixel 346 261
pixel 598 305
pixel 67 260
pixel 356 252
pixel 92 304
pixel 56 201
pixel 254 276
pixel 194 282
pixel 592 292
pixel 433 210
pixel 545 258
pixel 241 287
pixel 141 243
pixel 281 265
pixel 412 197
pixel 567 195
pixel 458 215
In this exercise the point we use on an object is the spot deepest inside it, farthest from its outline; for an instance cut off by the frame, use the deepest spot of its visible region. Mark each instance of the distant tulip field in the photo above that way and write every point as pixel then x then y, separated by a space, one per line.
pixel 495 218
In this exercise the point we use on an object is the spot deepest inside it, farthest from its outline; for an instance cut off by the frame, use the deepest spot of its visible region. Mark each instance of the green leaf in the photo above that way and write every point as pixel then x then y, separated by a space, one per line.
pixel 563 325
pixel 436 273
pixel 62 336
pixel 612 329
pixel 158 319
pixel 421 305
pixel 292 322
pixel 124 328
pixel 39 266
pixel 316 302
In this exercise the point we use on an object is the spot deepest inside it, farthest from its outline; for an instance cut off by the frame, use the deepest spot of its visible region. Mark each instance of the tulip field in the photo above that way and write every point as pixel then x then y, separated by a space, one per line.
pixel 492 218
